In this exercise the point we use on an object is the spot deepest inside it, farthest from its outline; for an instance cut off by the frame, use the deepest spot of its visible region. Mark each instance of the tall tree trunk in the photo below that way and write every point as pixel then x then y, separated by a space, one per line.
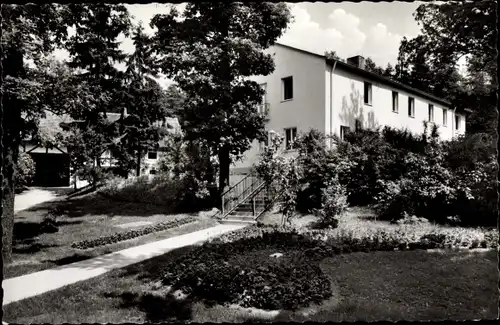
pixel 224 164
pixel 10 151
pixel 10 119
pixel 138 165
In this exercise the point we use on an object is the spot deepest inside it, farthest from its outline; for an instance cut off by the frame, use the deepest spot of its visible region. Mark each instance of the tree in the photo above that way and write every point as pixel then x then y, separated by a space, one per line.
pixel 210 50
pixel 332 55
pixel 450 31
pixel 28 32
pixel 94 51
pixel 175 102
pixel 371 66
pixel 145 103
pixel 389 71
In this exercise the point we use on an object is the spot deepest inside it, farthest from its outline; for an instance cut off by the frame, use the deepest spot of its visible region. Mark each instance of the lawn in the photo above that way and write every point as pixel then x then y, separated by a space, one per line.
pixel 85 217
pixel 410 285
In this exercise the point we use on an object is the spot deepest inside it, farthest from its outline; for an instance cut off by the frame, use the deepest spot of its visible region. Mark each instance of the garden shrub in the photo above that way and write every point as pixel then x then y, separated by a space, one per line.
pixel 25 171
pixel 334 203
pixel 49 224
pixel 178 195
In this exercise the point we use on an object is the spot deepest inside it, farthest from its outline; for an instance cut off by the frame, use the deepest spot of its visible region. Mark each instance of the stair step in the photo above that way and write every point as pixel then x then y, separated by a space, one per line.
pixel 238 222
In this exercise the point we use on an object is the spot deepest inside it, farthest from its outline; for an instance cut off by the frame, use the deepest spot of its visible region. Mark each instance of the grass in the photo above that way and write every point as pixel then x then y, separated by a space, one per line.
pixel 411 285
pixel 81 218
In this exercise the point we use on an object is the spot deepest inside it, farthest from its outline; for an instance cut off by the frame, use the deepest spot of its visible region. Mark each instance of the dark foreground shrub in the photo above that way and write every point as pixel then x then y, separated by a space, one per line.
pixel 49 224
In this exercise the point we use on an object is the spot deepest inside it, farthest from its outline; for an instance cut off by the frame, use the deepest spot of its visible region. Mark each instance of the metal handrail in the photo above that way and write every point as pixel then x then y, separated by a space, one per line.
pixel 251 195
pixel 241 180
pixel 239 194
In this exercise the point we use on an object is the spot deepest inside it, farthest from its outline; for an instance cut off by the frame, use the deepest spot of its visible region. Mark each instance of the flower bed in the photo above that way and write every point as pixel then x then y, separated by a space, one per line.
pixel 130 234
pixel 244 272
pixel 366 239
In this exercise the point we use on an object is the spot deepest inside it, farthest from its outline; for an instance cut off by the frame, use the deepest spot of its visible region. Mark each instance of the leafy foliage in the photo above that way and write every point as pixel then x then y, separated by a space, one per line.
pixel 282 176
pixel 210 50
pixel 25 171
pixel 452 30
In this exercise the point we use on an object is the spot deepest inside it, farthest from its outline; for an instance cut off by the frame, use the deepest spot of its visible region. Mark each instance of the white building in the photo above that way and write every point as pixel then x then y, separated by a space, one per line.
pixel 307 91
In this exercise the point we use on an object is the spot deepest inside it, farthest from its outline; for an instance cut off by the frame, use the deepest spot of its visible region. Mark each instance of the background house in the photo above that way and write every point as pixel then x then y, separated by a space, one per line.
pixel 307 90
pixel 52 165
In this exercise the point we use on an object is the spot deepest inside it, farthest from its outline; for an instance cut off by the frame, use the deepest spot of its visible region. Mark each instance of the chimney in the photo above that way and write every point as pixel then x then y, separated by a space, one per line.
pixel 358 61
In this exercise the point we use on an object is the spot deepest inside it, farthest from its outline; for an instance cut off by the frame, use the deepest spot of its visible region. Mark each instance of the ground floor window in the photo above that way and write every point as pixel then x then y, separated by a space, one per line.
pixel 290 137
pixel 344 130
pixel 152 154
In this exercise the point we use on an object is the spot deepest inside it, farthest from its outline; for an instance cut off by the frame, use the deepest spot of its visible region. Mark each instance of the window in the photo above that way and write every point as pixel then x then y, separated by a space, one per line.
pixel 265 143
pixel 368 93
pixel 264 96
pixel 152 172
pixel 457 122
pixel 358 126
pixel 431 113
pixel 290 136
pixel 395 102
pixel 343 131
pixel 445 117
pixel 152 155
pixel 411 107
pixel 287 86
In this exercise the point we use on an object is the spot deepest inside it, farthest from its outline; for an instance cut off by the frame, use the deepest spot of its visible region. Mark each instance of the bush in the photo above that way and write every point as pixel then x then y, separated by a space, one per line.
pixel 49 224
pixel 121 236
pixel 412 220
pixel 25 171
pixel 178 195
pixel 334 204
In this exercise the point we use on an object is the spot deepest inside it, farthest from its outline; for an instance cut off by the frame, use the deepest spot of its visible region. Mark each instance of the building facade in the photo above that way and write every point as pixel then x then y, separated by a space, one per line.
pixel 308 91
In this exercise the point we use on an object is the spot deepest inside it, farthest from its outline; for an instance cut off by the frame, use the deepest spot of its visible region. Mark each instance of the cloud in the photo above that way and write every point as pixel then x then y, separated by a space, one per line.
pixel 381 45
pixel 343 35
pixel 308 35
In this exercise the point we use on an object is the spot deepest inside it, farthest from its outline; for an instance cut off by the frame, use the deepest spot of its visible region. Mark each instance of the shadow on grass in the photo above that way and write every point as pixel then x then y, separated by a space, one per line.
pixel 68 259
pixel 157 307
pixel 96 204
pixel 26 230
pixel 29 248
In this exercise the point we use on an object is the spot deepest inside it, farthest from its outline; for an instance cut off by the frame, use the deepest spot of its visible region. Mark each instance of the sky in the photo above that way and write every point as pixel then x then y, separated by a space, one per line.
pixel 369 29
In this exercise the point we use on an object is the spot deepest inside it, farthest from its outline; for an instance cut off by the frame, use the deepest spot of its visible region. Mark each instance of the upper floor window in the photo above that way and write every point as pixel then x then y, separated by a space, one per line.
pixel 411 107
pixel 152 155
pixel 431 113
pixel 344 130
pixel 287 88
pixel 290 137
pixel 368 93
pixel 395 102
pixel 458 122
pixel 445 117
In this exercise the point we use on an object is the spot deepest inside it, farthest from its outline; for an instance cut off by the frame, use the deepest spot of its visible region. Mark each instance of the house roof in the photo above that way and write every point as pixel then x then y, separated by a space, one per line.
pixel 373 76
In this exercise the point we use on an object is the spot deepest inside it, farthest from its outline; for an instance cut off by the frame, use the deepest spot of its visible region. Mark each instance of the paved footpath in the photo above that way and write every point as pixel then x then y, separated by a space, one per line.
pixel 33 284
pixel 31 198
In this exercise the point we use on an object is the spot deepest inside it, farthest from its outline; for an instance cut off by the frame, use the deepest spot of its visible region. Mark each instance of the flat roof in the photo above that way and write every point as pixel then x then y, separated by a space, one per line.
pixel 372 75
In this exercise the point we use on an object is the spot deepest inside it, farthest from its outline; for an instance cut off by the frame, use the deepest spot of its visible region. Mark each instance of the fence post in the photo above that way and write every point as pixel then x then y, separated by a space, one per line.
pixel 253 206
pixel 222 209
